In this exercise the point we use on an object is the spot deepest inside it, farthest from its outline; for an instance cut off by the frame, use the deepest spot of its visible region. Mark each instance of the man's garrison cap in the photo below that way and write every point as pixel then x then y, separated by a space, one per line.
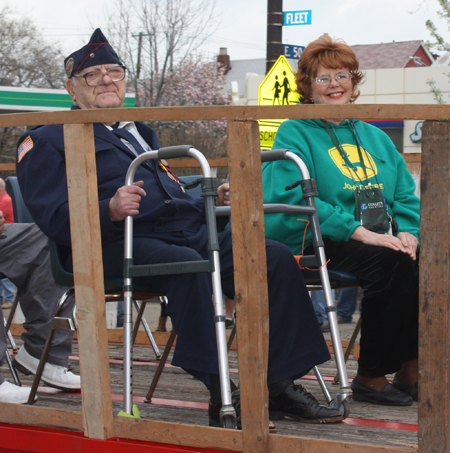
pixel 96 52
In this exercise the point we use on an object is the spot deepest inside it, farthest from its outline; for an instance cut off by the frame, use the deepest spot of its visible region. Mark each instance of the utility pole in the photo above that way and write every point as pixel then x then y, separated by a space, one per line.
pixel 274 32
pixel 138 65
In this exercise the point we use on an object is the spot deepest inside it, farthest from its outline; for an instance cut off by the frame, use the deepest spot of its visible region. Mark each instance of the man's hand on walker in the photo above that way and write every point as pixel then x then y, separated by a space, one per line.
pixel 126 201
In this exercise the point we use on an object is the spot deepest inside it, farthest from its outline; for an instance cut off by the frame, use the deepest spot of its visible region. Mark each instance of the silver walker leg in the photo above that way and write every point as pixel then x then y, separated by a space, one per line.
pixel 127 351
pixel 227 412
pixel 343 396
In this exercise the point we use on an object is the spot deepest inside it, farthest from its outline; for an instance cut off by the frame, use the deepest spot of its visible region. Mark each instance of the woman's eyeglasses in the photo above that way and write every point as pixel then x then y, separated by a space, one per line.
pixel 342 78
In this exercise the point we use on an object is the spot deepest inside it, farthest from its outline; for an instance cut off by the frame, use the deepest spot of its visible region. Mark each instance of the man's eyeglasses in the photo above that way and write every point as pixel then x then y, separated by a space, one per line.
pixel 342 78
pixel 95 78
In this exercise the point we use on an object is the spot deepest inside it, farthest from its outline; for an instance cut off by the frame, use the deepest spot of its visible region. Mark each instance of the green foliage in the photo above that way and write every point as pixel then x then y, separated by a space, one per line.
pixel 439 43
pixel 437 93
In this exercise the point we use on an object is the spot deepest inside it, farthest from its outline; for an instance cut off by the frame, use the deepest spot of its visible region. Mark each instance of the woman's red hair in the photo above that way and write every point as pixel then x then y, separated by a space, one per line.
pixel 333 54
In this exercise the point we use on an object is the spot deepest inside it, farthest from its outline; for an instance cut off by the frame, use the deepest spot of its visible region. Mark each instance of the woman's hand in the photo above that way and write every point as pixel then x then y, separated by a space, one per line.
pixel 405 242
pixel 126 201
pixel 410 242
pixel 223 199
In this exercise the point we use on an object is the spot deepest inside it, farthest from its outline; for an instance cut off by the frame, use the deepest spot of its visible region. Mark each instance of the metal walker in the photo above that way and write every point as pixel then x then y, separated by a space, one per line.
pixel 212 265
pixel 343 397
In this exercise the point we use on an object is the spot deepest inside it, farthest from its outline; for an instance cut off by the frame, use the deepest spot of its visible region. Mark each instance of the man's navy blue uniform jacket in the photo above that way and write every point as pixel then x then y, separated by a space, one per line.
pixel 41 171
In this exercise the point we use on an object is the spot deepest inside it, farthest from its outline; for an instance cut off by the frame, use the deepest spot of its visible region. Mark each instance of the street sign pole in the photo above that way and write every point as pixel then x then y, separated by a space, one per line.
pixel 274 32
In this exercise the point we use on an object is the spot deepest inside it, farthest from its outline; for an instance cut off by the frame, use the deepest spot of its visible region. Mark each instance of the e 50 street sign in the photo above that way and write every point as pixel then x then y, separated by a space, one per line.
pixel 297 18
pixel 292 52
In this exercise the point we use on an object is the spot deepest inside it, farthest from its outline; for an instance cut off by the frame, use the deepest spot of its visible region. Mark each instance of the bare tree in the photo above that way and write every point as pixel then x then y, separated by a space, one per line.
pixel 26 60
pixel 156 37
pixel 159 41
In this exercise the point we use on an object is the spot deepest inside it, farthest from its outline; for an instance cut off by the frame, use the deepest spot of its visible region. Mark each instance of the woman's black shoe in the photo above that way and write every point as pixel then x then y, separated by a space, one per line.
pixel 295 402
pixel 412 391
pixel 389 396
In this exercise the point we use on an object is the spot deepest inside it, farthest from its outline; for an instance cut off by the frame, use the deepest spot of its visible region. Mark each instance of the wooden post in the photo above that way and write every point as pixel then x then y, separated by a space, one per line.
pixel 88 275
pixel 434 315
pixel 250 274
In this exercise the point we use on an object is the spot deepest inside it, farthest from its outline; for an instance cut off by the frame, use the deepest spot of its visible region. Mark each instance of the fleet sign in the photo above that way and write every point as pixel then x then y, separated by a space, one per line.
pixel 297 17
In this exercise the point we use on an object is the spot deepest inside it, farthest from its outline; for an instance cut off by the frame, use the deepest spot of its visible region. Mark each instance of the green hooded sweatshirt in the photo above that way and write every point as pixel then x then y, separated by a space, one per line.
pixel 309 139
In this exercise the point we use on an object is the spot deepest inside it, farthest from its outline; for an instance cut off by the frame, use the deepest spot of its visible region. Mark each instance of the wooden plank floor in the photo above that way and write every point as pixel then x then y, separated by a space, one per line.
pixel 181 398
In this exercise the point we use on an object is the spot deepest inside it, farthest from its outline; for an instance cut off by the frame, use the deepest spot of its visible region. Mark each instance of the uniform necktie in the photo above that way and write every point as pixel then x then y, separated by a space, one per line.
pixel 129 137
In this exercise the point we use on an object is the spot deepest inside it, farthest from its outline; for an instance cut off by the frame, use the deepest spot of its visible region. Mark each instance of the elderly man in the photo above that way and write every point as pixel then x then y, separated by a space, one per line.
pixel 24 258
pixel 169 226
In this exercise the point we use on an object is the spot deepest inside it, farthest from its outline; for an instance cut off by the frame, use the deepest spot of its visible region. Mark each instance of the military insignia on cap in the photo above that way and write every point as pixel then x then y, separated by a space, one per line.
pixel 24 147
pixel 69 67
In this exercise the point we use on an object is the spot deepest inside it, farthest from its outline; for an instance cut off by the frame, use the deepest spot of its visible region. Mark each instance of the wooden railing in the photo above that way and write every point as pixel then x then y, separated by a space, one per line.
pixel 97 420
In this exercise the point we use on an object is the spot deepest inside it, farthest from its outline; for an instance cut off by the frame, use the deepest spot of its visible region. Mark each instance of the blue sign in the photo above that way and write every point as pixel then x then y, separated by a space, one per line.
pixel 293 52
pixel 297 18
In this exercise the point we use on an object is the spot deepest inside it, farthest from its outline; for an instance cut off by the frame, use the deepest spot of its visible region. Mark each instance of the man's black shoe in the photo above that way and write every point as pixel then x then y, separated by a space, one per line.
pixel 214 412
pixel 389 396
pixel 412 391
pixel 295 402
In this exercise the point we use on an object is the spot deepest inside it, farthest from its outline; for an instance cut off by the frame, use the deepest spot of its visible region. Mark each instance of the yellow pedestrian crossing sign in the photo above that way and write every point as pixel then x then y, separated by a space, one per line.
pixel 277 88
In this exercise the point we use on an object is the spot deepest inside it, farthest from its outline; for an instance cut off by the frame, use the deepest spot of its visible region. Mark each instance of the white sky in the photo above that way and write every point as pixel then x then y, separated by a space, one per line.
pixel 243 22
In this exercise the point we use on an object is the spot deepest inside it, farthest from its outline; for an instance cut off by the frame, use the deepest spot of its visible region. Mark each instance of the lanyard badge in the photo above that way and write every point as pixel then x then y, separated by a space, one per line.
pixel 370 206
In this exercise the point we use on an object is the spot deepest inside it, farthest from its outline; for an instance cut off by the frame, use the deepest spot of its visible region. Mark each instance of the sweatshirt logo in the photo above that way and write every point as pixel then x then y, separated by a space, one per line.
pixel 353 156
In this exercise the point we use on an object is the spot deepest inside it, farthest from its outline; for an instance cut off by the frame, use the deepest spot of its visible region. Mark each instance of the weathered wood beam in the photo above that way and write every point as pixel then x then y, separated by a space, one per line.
pixel 193 163
pixel 413 158
pixel 88 276
pixel 252 112
pixel 178 434
pixel 293 444
pixel 250 276
pixel 434 299
pixel 218 162
pixel 7 167
pixel 46 417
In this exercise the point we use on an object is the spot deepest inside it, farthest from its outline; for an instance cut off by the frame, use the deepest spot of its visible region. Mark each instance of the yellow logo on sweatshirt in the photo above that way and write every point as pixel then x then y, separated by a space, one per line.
pixel 352 155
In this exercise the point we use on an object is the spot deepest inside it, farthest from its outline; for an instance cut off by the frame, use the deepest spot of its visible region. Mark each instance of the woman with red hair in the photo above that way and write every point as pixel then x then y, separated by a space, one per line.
pixel 368 214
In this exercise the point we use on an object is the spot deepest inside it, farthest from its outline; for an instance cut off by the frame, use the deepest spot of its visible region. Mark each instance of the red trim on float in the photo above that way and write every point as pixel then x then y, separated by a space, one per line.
pixel 204 406
pixel 380 424
pixel 30 439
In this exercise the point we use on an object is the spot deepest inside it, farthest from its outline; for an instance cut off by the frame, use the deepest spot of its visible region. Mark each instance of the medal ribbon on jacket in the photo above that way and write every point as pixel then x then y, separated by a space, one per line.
pixel 164 165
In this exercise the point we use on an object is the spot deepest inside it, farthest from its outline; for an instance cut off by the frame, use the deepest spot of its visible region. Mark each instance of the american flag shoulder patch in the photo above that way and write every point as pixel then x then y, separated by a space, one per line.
pixel 24 147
